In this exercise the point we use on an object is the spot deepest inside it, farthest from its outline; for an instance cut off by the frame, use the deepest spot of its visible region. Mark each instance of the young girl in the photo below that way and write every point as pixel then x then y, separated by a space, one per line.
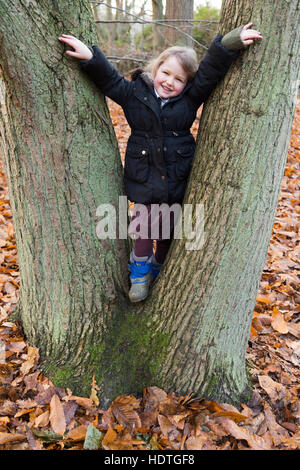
pixel 160 105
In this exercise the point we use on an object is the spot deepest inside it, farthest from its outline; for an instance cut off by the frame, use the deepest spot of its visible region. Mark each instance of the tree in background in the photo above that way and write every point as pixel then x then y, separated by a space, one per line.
pixel 62 162
pixel 178 9
pixel 158 32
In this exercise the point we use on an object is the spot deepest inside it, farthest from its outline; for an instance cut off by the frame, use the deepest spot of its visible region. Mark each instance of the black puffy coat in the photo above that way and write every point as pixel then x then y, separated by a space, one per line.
pixel 160 148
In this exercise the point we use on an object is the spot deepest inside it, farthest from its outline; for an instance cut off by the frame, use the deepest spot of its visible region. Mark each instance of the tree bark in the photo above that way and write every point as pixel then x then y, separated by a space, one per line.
pixel 179 9
pixel 191 334
pixel 57 139
pixel 62 162
pixel 157 14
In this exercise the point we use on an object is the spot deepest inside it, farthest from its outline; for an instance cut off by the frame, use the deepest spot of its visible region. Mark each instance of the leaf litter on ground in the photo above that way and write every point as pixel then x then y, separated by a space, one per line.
pixel 36 415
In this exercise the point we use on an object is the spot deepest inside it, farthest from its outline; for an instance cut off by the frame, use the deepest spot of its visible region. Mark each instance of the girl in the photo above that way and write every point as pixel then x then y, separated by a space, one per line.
pixel 160 105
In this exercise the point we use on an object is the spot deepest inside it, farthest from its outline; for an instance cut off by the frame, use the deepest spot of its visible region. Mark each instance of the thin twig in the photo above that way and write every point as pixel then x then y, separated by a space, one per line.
pixel 142 21
pixel 112 57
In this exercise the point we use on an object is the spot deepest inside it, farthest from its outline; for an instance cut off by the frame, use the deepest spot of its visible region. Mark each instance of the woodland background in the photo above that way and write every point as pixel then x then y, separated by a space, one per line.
pixel 34 414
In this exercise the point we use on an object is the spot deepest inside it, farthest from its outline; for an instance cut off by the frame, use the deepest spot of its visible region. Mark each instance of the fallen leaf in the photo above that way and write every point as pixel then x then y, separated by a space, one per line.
pixel 263 299
pixel 32 358
pixel 196 442
pixel 82 401
pixel 165 424
pixel 123 408
pixel 292 442
pixel 77 434
pixel 93 438
pixel 42 420
pixel 4 420
pixel 94 397
pixel 57 417
pixel 278 322
pixel 109 437
pixel 23 412
pixel 6 437
pixel 237 417
pixel 254 441
pixel 278 433
pixel 275 390
pixel 46 436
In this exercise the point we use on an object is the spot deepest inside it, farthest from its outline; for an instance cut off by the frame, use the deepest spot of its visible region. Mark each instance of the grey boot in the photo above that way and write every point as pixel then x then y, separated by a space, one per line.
pixel 140 277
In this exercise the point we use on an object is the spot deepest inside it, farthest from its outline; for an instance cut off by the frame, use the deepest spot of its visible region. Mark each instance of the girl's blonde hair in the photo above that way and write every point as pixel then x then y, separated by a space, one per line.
pixel 186 56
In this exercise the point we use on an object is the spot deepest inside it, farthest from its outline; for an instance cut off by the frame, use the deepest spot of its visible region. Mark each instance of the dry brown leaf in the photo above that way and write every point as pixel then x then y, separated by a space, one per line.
pixel 275 390
pixel 255 442
pixel 94 397
pixel 57 417
pixel 278 322
pixel 196 442
pixel 293 442
pixel 278 433
pixel 294 329
pixel 16 346
pixel 32 358
pixel 23 412
pixel 153 397
pixel 165 424
pixel 42 419
pixel 78 433
pixel 109 437
pixel 237 417
pixel 263 299
pixel 4 420
pixel 123 408
pixel 82 401
pixel 6 437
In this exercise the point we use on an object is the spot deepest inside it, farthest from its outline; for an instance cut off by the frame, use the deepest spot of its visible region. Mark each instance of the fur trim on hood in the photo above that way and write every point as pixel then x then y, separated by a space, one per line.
pixel 144 75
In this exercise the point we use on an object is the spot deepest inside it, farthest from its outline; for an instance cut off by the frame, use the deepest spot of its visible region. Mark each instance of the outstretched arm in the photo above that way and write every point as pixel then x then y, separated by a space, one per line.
pixel 216 62
pixel 99 69
pixel 240 37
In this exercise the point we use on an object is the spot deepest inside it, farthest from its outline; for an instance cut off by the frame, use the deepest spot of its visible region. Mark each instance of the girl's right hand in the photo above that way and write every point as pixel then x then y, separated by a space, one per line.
pixel 81 51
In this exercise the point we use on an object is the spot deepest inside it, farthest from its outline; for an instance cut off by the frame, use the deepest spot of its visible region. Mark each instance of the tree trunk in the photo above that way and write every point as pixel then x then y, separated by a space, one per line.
pixel 119 16
pixel 57 139
pixel 157 14
pixel 179 9
pixel 61 161
pixel 110 29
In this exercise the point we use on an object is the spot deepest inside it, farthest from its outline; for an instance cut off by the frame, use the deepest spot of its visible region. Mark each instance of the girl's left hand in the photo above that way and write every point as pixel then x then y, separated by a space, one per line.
pixel 248 35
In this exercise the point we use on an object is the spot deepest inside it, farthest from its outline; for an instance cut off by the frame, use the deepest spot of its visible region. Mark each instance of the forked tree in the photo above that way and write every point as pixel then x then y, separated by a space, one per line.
pixel 62 162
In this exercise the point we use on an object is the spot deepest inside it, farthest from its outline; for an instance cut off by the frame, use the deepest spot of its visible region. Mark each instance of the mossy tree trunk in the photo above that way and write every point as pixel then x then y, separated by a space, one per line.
pixel 57 139
pixel 62 162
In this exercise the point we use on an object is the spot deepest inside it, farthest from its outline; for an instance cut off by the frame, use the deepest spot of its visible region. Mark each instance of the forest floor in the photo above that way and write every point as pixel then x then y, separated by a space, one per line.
pixel 36 415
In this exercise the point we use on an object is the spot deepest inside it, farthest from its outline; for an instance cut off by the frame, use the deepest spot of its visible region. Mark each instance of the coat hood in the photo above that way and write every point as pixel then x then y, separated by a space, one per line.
pixel 143 75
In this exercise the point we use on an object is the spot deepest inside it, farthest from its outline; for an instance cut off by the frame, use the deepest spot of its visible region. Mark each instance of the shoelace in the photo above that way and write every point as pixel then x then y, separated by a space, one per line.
pixel 139 269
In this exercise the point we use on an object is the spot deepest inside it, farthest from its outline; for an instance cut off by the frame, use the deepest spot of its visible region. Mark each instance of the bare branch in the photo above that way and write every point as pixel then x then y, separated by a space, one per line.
pixel 116 58
pixel 142 21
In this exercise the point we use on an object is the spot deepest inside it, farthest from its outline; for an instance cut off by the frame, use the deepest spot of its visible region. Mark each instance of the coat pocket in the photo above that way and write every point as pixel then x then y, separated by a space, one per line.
pixel 184 158
pixel 137 163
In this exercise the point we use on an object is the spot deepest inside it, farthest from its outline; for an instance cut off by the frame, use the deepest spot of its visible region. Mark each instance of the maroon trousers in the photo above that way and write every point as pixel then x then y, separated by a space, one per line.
pixel 146 222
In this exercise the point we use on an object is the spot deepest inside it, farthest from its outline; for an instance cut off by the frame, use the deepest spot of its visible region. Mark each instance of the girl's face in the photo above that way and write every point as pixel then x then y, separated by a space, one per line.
pixel 170 78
